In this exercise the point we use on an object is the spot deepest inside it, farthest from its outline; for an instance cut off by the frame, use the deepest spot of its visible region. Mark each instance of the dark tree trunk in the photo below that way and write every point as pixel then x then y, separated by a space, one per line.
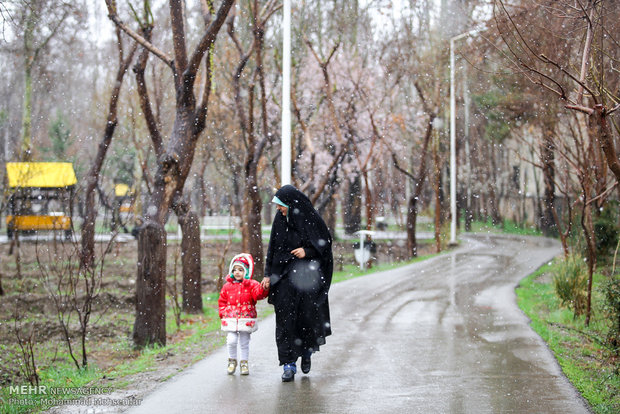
pixel 547 220
pixel 492 182
pixel 204 199
pixel 469 215
pixel 370 216
pixel 605 136
pixel 352 208
pixel 588 231
pixel 150 324
pixel 252 227
pixel 330 216
pixel 412 218
pixel 438 195
pixel 190 258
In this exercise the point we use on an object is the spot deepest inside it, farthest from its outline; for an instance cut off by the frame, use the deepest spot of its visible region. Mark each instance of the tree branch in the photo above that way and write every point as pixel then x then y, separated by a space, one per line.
pixel 113 16
pixel 208 38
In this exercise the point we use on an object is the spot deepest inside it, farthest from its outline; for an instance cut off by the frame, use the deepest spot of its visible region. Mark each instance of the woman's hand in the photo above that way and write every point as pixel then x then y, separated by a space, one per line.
pixel 265 283
pixel 299 253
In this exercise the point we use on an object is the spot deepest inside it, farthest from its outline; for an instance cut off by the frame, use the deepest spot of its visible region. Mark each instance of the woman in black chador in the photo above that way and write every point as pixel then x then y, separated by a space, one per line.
pixel 299 269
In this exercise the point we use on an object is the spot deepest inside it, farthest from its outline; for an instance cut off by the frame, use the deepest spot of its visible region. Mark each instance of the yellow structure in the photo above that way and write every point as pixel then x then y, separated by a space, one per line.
pixel 40 196
pixel 121 190
pixel 40 174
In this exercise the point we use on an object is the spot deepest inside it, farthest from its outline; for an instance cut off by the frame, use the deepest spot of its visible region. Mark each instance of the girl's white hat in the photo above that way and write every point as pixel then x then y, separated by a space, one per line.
pixel 246 261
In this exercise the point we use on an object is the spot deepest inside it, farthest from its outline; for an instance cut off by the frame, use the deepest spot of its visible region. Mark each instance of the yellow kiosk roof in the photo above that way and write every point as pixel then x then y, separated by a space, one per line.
pixel 121 190
pixel 40 174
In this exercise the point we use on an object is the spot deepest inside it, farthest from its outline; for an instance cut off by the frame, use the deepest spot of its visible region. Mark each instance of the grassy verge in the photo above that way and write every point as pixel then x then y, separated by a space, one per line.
pixel 579 350
pixel 507 226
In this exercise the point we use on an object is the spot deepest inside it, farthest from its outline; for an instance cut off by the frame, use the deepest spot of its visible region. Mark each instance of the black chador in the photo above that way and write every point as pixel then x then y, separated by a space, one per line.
pixel 299 287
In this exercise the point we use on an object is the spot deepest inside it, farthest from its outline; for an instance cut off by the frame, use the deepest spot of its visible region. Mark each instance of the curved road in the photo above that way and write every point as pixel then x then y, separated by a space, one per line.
pixel 441 336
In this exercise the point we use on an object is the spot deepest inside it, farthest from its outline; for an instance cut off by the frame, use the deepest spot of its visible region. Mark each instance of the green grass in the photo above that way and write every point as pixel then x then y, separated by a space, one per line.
pixel 65 377
pixel 507 226
pixel 579 349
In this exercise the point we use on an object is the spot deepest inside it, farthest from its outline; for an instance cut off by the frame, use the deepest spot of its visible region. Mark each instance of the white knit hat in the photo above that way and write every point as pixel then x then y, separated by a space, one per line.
pixel 246 261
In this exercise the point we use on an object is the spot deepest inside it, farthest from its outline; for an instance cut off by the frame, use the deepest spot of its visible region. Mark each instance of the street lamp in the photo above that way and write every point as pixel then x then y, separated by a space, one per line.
pixel 286 93
pixel 453 134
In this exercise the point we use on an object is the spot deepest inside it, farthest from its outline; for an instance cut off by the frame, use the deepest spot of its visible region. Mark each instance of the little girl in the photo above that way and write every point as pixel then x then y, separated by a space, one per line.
pixel 237 308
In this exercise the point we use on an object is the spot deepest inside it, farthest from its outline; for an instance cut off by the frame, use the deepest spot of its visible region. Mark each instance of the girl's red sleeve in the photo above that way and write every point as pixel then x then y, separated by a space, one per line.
pixel 258 292
pixel 222 302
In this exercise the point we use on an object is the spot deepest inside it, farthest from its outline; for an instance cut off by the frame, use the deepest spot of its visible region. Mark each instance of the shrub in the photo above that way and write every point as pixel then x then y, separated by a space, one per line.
pixel 606 230
pixel 611 307
pixel 570 281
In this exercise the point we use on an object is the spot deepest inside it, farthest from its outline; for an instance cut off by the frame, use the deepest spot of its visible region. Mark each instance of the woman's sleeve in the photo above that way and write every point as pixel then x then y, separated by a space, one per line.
pixel 269 258
pixel 311 252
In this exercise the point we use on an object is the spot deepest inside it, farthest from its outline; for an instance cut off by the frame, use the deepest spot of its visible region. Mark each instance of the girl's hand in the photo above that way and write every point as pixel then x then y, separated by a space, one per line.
pixel 299 253
pixel 265 283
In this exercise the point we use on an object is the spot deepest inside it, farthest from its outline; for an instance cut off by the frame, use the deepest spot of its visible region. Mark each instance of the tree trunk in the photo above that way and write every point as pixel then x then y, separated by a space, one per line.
pixel 150 324
pixel 369 202
pixel 29 60
pixel 437 191
pixel 492 182
pixel 204 199
pixel 330 216
pixel 252 227
pixel 588 231
pixel 605 137
pixel 352 208
pixel 190 259
pixel 26 153
pixel 412 218
pixel 547 220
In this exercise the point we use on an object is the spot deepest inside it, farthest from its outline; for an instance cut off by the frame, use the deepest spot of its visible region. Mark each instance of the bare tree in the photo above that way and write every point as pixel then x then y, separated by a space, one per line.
pixel 175 161
pixel 581 74
pixel 37 22
pixel 550 63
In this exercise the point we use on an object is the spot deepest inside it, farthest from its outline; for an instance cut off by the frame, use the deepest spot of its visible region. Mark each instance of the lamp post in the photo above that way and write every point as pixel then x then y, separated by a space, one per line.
pixel 286 93
pixel 453 134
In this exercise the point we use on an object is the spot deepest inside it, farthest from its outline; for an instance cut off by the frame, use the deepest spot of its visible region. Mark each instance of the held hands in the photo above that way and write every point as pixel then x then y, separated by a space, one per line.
pixel 265 283
pixel 299 253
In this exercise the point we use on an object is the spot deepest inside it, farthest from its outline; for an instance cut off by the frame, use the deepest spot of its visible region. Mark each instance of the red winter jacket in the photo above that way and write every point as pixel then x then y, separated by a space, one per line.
pixel 238 300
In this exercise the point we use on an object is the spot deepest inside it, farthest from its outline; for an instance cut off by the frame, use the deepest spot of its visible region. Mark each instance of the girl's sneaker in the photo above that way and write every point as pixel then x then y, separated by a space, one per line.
pixel 232 365
pixel 244 368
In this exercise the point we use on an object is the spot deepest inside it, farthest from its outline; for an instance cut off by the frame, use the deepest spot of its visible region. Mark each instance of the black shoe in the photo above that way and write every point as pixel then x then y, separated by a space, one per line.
pixel 305 364
pixel 288 375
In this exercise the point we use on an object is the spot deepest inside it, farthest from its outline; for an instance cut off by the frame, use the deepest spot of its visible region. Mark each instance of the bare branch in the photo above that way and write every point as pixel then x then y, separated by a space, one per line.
pixel 137 37
pixel 208 38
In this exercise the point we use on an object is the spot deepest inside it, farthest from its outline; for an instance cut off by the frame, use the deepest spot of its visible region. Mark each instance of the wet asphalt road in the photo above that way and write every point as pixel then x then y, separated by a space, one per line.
pixel 440 336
